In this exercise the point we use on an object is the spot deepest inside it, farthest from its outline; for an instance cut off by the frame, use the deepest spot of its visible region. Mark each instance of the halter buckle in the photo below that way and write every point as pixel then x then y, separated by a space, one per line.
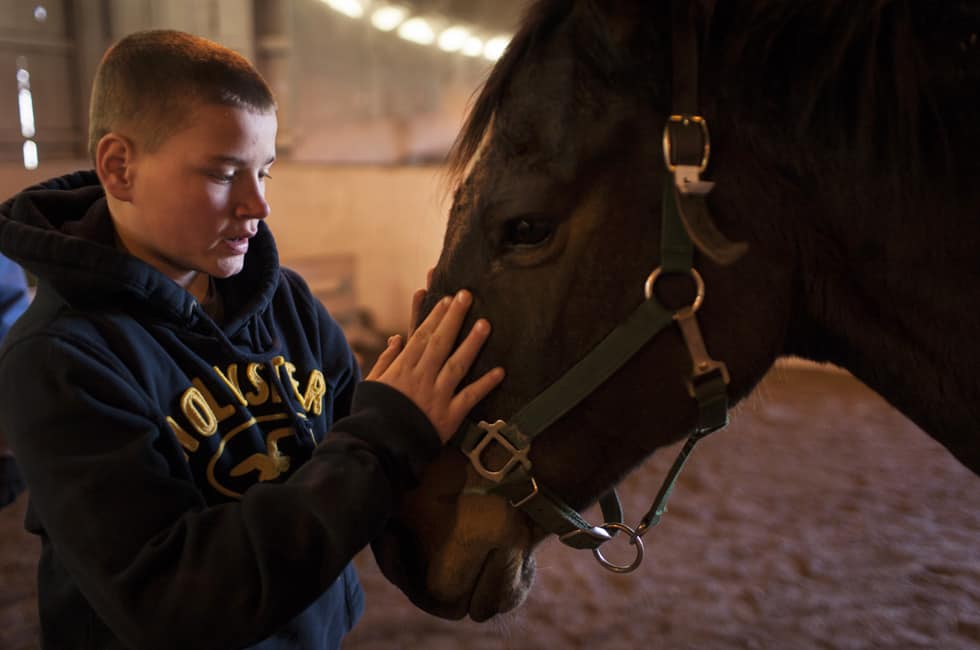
pixel 518 455
pixel 686 142
pixel 701 362
pixel 705 371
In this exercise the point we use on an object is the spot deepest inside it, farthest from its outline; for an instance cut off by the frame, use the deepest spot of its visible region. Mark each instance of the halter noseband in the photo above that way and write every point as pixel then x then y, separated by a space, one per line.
pixel 686 149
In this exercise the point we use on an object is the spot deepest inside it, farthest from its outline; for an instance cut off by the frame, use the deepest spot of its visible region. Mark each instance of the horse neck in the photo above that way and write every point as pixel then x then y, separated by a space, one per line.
pixel 889 292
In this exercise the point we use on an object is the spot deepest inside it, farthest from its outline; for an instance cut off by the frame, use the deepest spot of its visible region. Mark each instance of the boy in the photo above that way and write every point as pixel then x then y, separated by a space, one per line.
pixel 169 393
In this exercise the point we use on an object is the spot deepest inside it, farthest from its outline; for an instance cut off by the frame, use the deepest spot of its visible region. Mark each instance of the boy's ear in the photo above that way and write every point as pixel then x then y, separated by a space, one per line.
pixel 114 164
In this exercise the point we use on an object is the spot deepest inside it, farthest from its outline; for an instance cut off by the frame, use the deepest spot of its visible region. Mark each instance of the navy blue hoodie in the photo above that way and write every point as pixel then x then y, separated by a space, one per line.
pixel 194 484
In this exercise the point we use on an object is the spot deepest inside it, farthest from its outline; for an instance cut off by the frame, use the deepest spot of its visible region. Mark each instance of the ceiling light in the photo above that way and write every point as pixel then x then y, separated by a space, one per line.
pixel 350 8
pixel 473 46
pixel 418 31
pixel 494 49
pixel 388 17
pixel 30 154
pixel 453 39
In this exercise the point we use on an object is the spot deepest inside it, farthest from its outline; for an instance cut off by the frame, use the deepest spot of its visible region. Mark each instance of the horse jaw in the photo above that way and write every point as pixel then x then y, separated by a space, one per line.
pixel 486 561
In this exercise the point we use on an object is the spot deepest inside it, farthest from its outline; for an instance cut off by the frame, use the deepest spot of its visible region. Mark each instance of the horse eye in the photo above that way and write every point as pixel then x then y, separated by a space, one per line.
pixel 525 232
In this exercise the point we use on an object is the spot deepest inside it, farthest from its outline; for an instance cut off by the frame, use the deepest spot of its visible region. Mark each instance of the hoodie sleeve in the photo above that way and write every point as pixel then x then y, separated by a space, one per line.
pixel 159 567
pixel 375 403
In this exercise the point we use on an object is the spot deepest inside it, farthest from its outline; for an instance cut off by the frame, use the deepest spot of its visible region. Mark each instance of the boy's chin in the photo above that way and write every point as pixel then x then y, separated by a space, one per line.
pixel 227 268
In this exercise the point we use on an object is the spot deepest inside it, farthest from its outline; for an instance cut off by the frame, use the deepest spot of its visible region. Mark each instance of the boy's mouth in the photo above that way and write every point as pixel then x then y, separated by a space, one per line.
pixel 238 245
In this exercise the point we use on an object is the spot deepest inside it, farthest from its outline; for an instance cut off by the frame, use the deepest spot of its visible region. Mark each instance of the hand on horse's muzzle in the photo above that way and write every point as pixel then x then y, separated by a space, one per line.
pixel 428 367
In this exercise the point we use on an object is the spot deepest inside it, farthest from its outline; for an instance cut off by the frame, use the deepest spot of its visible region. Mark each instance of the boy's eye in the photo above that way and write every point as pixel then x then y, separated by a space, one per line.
pixel 222 176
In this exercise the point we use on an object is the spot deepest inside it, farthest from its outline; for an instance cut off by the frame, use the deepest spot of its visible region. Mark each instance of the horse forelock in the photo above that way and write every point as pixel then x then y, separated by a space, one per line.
pixel 592 47
pixel 540 20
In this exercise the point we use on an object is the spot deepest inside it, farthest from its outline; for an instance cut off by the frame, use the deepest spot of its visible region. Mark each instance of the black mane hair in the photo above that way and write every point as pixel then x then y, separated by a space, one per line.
pixel 887 89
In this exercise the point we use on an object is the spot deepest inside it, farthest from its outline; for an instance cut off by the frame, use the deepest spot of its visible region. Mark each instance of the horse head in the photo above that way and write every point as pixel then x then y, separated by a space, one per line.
pixel 558 222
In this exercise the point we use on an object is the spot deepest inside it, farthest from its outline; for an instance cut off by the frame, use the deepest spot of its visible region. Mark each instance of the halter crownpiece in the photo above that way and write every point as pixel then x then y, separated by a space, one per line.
pixel 686 145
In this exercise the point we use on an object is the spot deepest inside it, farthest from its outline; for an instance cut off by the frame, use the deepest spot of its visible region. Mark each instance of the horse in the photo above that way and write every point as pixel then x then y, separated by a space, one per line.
pixel 771 178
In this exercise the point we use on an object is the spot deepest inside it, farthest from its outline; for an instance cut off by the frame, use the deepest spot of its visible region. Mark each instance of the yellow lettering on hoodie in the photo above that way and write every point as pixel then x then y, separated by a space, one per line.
pixel 231 380
pixel 185 439
pixel 222 413
pixel 290 372
pixel 316 388
pixel 277 362
pixel 261 393
pixel 198 412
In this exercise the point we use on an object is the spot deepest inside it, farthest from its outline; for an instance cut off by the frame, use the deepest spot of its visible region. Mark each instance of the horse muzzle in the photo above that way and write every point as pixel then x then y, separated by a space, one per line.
pixel 455 552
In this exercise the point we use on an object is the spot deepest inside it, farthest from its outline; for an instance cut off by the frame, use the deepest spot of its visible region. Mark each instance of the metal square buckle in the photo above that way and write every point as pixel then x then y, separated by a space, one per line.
pixel 686 122
pixel 517 455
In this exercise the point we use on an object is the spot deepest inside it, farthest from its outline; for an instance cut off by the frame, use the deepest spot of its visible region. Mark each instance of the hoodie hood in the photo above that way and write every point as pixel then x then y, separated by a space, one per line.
pixel 62 233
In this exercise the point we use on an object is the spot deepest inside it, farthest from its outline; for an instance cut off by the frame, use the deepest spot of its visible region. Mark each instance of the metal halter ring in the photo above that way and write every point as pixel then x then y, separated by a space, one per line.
pixel 652 280
pixel 634 540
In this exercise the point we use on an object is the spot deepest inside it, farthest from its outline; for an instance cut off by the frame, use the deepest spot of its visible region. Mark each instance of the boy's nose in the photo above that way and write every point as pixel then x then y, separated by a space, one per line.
pixel 252 203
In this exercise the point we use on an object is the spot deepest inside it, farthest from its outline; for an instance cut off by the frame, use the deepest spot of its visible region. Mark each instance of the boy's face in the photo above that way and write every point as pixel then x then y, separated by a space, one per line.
pixel 197 200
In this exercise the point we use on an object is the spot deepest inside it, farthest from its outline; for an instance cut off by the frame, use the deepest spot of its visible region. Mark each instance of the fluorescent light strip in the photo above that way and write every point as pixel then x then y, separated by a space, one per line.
pixel 26 105
pixel 30 154
pixel 473 46
pixel 417 30
pixel 350 8
pixel 389 17
pixel 453 39
pixel 494 49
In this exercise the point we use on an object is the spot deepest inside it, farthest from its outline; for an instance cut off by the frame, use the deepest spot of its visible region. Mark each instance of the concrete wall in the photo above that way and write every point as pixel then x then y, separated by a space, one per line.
pixel 390 219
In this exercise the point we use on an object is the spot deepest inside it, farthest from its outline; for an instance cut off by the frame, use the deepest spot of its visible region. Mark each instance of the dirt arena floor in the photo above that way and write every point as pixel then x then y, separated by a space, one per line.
pixel 820 519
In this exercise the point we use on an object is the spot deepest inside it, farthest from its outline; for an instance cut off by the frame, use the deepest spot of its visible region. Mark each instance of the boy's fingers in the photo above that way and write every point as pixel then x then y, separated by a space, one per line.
pixel 444 337
pixel 386 357
pixel 470 396
pixel 419 340
pixel 417 299
pixel 462 358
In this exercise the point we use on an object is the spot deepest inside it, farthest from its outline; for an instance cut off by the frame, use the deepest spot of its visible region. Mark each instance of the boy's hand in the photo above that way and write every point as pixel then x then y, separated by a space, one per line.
pixel 427 370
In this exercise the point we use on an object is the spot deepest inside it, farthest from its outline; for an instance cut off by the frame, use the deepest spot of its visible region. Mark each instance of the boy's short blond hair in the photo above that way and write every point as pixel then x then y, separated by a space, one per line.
pixel 148 84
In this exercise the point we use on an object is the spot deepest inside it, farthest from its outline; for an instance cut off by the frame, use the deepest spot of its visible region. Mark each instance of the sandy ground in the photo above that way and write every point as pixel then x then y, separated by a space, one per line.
pixel 821 518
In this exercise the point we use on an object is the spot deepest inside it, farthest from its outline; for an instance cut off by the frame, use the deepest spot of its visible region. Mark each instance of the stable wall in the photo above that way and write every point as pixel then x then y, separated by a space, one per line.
pixel 390 219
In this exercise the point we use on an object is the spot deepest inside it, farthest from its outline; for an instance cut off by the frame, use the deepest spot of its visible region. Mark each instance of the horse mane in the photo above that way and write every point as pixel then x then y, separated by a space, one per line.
pixel 870 91
pixel 875 93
